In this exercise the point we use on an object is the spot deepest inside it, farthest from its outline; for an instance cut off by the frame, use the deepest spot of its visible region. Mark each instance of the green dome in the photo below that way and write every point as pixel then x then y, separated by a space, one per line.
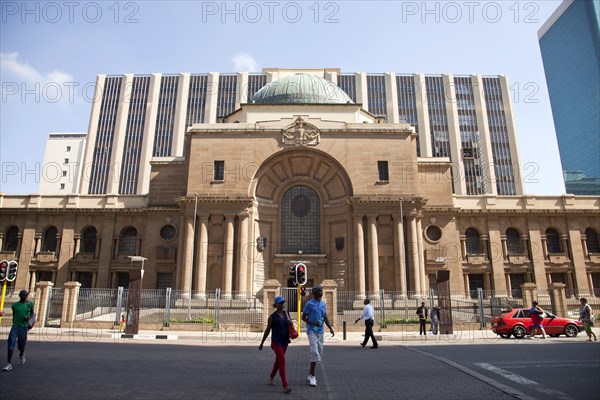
pixel 301 89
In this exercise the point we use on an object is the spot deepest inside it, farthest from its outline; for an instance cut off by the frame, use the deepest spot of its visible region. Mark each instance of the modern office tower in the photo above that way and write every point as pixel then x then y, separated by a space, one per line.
pixel 570 46
pixel 60 172
pixel 144 118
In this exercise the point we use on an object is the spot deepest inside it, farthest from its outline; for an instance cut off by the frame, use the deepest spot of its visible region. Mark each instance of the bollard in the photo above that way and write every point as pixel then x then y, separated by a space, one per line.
pixel 344 328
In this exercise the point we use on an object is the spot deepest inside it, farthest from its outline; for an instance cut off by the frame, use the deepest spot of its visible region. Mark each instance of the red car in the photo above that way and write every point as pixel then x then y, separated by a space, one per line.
pixel 516 322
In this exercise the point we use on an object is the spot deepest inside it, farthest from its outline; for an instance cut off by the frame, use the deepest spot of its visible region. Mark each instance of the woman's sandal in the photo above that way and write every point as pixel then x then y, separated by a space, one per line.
pixel 287 390
pixel 270 382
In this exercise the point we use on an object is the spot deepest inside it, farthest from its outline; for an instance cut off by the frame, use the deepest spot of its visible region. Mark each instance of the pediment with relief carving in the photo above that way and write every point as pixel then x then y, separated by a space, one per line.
pixel 301 133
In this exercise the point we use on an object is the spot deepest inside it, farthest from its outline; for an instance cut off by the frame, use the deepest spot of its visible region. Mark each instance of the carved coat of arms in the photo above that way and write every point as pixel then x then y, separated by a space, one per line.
pixel 301 133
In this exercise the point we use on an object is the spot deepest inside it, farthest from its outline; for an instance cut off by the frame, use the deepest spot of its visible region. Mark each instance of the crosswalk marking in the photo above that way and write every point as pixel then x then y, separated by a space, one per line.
pixel 524 381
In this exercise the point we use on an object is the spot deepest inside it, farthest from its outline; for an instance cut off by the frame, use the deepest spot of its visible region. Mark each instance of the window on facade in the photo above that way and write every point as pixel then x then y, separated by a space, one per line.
pixel 596 283
pixel 64 173
pixel 128 242
pixel 164 280
pixel 68 148
pixel 168 232
pixel 123 279
pixel 300 221
pixel 44 276
pixel 475 282
pixel 66 160
pixel 516 280
pixel 85 278
pixel 88 240
pixel 433 233
pixel 513 242
pixel 219 174
pixel 553 241
pixel 11 240
pixel 473 241
pixel 382 167
pixel 62 186
pixel 591 238
pixel 49 243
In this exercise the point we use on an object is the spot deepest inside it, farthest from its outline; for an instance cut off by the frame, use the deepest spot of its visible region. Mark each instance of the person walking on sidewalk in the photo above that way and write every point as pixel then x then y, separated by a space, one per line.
pixel 22 311
pixel 278 324
pixel 422 313
pixel 587 317
pixel 314 315
pixel 536 313
pixel 369 316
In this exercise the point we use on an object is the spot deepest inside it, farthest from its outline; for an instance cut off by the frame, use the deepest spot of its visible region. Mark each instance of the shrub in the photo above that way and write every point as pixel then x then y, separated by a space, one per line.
pixel 400 321
pixel 198 320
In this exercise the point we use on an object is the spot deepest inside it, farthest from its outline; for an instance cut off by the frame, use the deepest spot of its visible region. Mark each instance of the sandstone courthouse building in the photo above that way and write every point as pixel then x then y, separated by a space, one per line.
pixel 378 181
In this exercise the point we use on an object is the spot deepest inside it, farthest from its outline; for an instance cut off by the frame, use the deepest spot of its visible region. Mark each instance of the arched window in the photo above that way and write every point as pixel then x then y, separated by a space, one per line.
pixel 49 243
pixel 513 242
pixel 473 241
pixel 11 240
pixel 128 241
pixel 300 221
pixel 592 241
pixel 553 241
pixel 88 240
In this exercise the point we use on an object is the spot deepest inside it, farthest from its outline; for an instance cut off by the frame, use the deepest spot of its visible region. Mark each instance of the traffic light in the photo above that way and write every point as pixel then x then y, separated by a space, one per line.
pixel 300 274
pixel 293 275
pixel 3 270
pixel 302 291
pixel 11 275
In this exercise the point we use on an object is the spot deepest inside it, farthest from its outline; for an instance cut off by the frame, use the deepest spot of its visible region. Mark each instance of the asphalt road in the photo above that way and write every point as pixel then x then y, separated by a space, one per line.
pixel 554 370
pixel 143 370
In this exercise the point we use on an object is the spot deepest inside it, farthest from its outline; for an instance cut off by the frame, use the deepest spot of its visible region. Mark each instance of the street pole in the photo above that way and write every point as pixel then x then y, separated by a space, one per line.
pixel 193 256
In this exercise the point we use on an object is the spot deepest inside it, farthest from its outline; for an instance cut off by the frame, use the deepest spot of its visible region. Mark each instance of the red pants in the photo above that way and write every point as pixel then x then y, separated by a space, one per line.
pixel 279 363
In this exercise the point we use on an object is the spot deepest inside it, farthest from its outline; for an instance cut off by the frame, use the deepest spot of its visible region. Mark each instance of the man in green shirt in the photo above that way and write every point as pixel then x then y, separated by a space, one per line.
pixel 18 333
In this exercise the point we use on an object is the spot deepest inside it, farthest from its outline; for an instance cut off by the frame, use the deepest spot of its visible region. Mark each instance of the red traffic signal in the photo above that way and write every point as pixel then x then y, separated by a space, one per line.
pixel 301 274
pixel 302 291
pixel 3 270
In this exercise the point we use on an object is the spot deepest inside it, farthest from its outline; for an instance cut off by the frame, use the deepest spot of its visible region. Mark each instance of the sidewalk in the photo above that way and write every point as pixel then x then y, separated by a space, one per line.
pixel 485 336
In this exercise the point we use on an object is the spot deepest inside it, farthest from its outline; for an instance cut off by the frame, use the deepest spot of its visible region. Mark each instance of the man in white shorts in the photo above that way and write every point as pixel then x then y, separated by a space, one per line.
pixel 314 315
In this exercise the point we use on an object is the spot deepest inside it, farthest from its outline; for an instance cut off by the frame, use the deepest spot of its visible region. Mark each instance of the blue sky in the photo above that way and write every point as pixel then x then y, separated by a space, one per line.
pixel 51 53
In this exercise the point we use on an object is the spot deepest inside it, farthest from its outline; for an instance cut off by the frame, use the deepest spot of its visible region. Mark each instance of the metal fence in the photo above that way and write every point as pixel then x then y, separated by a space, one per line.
pixel 167 307
pixel 401 307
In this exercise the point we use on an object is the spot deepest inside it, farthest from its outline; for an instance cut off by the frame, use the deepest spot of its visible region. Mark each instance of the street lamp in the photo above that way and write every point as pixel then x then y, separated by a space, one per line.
pixel 138 259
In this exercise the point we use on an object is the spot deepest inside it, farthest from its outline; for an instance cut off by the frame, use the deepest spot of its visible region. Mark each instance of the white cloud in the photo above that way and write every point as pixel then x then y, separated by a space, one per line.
pixel 9 63
pixel 243 62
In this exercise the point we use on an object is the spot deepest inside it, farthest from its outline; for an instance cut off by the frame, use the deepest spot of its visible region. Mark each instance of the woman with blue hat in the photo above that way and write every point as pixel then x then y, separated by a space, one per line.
pixel 278 323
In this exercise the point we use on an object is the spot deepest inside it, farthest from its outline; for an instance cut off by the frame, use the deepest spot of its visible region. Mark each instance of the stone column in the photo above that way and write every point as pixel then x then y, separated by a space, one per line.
pixel 189 251
pixel 228 277
pixel 373 255
pixel 271 289
pixel 560 299
pixel 330 298
pixel 359 248
pixel 414 248
pixel 399 253
pixel 202 256
pixel 42 297
pixel 577 254
pixel 529 291
pixel 242 278
pixel 69 308
pixel 422 275
pixel 77 244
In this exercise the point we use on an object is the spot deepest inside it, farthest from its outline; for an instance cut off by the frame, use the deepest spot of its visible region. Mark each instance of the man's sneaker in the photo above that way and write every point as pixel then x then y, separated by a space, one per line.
pixel 22 359
pixel 312 381
pixel 7 367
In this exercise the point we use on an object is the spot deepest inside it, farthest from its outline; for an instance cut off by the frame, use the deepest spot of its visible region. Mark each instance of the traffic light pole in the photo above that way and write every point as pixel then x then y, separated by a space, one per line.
pixel 2 299
pixel 299 310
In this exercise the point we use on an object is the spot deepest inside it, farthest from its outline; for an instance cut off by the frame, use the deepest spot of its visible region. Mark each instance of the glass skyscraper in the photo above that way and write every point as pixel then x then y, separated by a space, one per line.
pixel 570 46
